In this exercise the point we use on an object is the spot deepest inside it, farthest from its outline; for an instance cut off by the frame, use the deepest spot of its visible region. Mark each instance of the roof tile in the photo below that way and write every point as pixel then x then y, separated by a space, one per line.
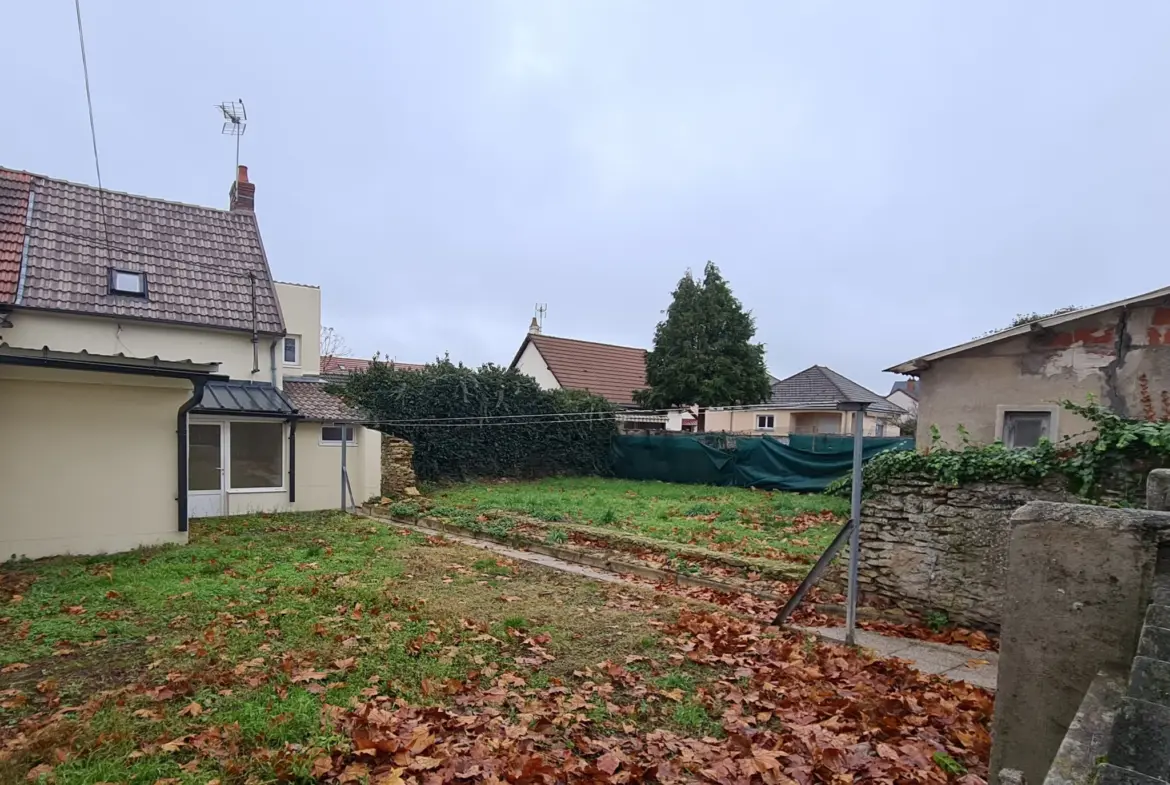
pixel 819 387
pixel 14 191
pixel 314 403
pixel 613 372
pixel 338 365
pixel 199 262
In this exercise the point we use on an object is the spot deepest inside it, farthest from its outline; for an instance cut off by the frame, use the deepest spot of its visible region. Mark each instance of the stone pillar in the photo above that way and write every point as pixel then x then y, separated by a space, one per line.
pixel 397 467
pixel 1078 581
pixel 1158 489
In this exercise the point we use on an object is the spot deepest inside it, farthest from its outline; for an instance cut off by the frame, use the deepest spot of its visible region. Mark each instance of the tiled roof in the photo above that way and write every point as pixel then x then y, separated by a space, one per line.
pixel 336 365
pixel 14 189
pixel 613 372
pixel 232 397
pixel 819 387
pixel 198 261
pixel 313 403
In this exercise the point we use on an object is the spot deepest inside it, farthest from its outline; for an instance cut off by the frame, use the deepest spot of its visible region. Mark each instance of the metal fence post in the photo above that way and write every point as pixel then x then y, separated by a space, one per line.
pixel 858 408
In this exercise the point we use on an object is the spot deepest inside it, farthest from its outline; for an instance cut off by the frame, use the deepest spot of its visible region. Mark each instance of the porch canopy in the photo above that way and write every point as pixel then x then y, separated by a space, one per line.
pixel 254 399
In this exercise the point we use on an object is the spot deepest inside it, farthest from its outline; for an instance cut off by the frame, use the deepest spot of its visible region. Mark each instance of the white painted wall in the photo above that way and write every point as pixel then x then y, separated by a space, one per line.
pixel 300 305
pixel 899 398
pixel 531 363
pixel 104 335
pixel 89 463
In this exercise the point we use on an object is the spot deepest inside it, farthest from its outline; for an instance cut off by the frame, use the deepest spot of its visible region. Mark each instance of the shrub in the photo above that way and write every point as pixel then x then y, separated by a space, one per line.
pixel 464 422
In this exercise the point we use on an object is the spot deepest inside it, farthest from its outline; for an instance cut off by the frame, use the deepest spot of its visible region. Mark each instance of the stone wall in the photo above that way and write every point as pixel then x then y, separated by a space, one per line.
pixel 928 547
pixel 397 466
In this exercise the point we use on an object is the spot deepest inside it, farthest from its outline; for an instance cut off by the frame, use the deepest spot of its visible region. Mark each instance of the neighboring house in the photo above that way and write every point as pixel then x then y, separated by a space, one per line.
pixel 613 372
pixel 1008 385
pixel 904 394
pixel 339 366
pixel 806 403
pixel 146 368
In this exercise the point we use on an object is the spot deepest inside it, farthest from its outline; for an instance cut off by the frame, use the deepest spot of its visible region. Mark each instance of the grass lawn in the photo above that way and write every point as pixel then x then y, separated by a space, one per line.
pixel 324 647
pixel 736 520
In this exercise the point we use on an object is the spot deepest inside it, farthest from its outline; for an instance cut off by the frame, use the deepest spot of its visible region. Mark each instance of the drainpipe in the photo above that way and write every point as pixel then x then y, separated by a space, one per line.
pixel 272 359
pixel 196 396
pixel 292 461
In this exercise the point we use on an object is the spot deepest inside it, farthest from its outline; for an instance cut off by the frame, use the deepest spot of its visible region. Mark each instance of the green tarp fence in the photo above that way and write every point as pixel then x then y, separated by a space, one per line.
pixel 806 463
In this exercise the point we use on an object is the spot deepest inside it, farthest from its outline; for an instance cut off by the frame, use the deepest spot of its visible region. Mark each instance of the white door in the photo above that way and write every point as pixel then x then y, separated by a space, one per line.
pixel 205 469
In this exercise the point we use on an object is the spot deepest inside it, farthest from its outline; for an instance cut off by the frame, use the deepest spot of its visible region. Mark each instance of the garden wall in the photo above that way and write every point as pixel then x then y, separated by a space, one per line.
pixel 928 547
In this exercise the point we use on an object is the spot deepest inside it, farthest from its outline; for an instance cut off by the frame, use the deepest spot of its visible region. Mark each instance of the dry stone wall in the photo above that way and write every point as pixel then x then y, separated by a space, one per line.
pixel 928 547
pixel 397 466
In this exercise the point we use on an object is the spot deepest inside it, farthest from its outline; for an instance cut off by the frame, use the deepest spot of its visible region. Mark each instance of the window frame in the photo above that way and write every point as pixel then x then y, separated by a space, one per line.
pixel 771 418
pixel 351 427
pixel 296 339
pixel 283 456
pixel 1003 410
pixel 140 274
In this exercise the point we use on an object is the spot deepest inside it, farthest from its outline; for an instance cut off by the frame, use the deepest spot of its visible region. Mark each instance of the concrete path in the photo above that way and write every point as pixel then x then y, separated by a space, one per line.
pixel 957 663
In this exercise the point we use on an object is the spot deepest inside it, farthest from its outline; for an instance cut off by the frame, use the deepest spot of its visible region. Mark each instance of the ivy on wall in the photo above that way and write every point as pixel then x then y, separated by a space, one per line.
pixel 497 435
pixel 1113 462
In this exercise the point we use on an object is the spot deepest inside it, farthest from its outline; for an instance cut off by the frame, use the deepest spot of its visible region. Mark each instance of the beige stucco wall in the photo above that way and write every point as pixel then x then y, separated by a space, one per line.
pixel 72 333
pixel 319 468
pixel 89 461
pixel 531 363
pixel 300 305
pixel 900 398
pixel 745 422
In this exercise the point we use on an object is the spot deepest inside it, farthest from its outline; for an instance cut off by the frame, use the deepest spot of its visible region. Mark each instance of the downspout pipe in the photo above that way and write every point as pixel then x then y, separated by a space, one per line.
pixel 292 460
pixel 199 383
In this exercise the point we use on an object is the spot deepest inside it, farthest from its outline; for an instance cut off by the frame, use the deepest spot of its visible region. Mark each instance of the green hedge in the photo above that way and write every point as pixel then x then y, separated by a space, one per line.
pixel 500 445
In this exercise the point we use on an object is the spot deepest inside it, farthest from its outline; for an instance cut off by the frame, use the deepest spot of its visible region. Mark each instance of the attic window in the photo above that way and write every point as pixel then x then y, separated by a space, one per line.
pixel 128 282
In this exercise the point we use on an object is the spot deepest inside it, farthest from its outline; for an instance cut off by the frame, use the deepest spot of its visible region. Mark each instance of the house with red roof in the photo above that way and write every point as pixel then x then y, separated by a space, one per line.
pixel 613 372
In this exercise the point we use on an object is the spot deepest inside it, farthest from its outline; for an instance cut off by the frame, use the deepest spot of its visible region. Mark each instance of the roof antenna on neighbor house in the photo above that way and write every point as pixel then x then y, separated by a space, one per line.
pixel 537 326
pixel 235 122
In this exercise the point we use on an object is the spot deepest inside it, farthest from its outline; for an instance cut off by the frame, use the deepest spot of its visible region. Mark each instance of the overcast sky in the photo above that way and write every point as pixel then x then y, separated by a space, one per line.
pixel 876 180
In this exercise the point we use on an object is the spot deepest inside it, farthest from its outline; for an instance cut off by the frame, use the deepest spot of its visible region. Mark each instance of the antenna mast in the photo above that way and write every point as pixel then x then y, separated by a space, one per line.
pixel 235 122
pixel 541 310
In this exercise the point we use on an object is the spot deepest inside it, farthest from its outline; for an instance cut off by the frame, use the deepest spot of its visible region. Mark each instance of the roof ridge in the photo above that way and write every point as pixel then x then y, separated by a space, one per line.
pixel 110 191
pixel 829 375
pixel 594 343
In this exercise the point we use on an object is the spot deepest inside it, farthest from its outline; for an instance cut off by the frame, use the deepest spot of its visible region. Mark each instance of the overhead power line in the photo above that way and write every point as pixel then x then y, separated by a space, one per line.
pixel 92 126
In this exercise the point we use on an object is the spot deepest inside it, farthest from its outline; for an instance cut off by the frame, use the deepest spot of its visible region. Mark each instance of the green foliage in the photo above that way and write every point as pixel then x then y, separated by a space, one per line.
pixel 1032 316
pixel 408 405
pixel 937 620
pixel 1114 458
pixel 703 351
pixel 949 765
pixel 404 509
pixel 556 537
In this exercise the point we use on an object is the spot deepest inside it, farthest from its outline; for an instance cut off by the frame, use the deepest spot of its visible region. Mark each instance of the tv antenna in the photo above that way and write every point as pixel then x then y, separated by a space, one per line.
pixel 235 122
pixel 541 311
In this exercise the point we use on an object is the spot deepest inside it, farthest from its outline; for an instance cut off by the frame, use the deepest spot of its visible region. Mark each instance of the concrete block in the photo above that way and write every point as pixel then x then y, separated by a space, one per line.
pixel 1155 643
pixel 1158 489
pixel 1158 616
pixel 1112 775
pixel 1078 583
pixel 1141 738
pixel 1150 680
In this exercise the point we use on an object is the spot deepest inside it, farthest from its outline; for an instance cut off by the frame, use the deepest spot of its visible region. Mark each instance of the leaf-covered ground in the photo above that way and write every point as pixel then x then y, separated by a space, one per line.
pixel 733 520
pixel 326 648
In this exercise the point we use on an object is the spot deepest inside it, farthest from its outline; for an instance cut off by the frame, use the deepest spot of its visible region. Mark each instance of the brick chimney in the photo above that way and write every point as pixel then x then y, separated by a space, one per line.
pixel 534 328
pixel 243 193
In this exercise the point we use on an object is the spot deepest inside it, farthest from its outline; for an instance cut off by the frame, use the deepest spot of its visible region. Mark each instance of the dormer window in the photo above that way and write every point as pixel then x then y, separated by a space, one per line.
pixel 127 282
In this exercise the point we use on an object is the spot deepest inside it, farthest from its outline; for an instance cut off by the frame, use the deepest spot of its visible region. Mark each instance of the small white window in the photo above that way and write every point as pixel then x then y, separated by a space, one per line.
pixel 292 350
pixel 880 430
pixel 127 282
pixel 1026 429
pixel 331 434
pixel 765 422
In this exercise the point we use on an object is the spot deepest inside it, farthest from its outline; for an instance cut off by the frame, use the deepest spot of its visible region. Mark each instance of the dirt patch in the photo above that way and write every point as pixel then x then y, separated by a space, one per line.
pixel 588 621
pixel 87 671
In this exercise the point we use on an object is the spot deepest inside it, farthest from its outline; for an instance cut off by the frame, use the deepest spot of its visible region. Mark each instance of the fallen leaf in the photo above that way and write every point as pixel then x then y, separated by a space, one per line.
pixel 35 773
pixel 192 709
pixel 609 763
pixel 14 667
pixel 977 663
pixel 301 676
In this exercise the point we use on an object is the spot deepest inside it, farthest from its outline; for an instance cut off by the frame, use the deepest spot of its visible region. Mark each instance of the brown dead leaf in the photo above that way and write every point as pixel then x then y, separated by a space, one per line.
pixel 192 709
pixel 308 675
pixel 975 663
pixel 14 667
pixel 609 763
